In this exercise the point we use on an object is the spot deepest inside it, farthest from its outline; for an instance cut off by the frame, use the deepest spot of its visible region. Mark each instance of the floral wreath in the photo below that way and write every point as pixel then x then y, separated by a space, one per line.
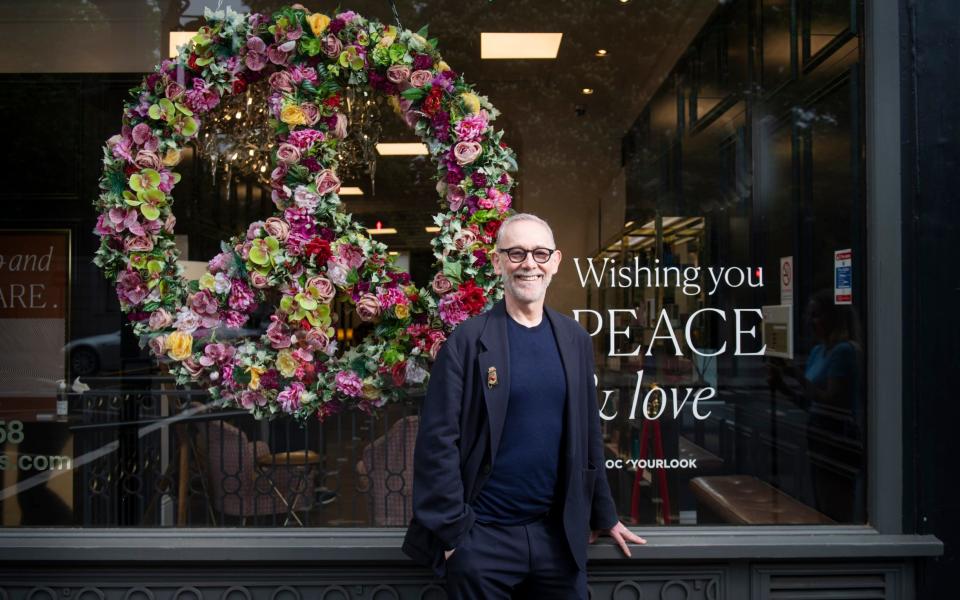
pixel 310 253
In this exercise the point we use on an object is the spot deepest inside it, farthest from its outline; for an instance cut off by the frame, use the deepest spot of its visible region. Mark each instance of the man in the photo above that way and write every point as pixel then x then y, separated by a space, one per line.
pixel 509 480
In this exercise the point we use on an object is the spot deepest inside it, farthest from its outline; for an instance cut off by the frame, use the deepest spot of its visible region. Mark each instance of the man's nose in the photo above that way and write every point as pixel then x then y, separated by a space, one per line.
pixel 528 262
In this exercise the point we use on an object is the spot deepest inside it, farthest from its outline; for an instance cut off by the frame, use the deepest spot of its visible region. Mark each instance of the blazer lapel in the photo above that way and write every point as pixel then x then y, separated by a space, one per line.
pixel 494 363
pixel 569 355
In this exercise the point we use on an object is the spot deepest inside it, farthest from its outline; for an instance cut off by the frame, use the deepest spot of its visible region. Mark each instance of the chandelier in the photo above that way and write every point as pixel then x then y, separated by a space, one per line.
pixel 236 136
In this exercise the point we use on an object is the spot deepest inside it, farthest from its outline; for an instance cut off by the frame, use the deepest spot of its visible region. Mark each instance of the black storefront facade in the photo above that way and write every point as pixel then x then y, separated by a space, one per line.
pixel 865 514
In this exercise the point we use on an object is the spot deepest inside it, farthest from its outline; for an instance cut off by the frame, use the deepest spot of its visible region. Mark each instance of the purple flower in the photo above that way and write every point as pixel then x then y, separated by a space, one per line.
pixel 131 288
pixel 235 318
pixel 202 97
pixel 336 25
pixel 452 311
pixel 349 384
pixel 422 61
pixel 479 179
pixel 472 128
pixel 278 333
pixel 241 296
pixel 441 125
pixel 289 398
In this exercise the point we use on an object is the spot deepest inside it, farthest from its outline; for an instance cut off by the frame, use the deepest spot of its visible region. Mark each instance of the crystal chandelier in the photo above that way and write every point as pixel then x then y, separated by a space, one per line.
pixel 236 138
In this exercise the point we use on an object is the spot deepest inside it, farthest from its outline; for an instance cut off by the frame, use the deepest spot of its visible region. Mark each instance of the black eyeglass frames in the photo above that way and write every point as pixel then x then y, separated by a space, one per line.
pixel 518 255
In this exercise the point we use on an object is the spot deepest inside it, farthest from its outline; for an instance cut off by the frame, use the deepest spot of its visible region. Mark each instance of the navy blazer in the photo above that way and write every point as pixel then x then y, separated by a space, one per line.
pixel 461 422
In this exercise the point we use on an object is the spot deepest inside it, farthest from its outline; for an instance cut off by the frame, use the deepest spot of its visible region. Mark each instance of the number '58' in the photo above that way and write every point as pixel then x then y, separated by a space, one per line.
pixel 12 432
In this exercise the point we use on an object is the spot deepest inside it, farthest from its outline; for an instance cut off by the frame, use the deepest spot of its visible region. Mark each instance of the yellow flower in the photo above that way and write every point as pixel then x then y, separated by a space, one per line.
pixel 401 310
pixel 292 115
pixel 179 345
pixel 394 103
pixel 471 102
pixel 318 23
pixel 172 157
pixel 254 377
pixel 286 363
pixel 443 66
pixel 370 391
pixel 207 281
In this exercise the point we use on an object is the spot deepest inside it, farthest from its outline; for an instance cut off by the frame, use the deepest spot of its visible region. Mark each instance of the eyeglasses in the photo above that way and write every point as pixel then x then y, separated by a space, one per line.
pixel 518 255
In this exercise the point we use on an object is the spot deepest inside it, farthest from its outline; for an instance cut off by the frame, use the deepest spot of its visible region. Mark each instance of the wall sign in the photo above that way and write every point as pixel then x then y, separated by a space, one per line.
pixel 843 277
pixel 34 293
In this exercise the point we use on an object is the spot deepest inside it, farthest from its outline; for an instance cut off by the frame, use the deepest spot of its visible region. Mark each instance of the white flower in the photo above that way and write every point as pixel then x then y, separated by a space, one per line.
pixel 221 283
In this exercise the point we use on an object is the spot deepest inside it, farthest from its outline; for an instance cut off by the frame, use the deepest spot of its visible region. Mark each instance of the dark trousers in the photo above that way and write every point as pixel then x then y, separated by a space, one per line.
pixel 515 561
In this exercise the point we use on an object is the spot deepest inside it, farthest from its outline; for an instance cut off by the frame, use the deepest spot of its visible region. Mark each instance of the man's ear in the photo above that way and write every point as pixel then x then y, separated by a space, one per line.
pixel 558 256
pixel 495 258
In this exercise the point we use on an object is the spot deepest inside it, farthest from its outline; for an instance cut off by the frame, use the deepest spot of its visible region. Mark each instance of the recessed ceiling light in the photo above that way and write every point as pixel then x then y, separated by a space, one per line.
pixel 519 45
pixel 393 253
pixel 586 91
pixel 624 1
pixel 350 191
pixel 179 38
pixel 432 229
pixel 601 52
pixel 402 148
pixel 381 230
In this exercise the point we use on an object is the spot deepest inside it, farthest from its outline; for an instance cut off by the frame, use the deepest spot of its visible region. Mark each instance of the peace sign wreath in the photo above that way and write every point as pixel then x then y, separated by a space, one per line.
pixel 310 253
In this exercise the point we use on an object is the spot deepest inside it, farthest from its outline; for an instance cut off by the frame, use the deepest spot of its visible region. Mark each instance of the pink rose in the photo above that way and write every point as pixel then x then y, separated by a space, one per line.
pixel 192 367
pixel 278 228
pixel 485 203
pixel 501 200
pixel 282 81
pixel 288 153
pixel 140 243
pixel 158 345
pixel 467 152
pixel 455 198
pixel 332 46
pixel 464 240
pixel 340 127
pixel 327 182
pixel 173 91
pixel 259 280
pixel 440 284
pixel 310 112
pixel 368 307
pixel 325 288
pixel 420 78
pixel 398 73
pixel 160 319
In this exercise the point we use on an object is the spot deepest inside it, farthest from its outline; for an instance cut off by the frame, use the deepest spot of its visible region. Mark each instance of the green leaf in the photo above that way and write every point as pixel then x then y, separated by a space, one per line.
pixel 452 270
pixel 414 93
pixel 241 376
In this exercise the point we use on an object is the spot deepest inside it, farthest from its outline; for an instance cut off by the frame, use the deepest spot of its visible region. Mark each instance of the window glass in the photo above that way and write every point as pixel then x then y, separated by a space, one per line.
pixel 711 153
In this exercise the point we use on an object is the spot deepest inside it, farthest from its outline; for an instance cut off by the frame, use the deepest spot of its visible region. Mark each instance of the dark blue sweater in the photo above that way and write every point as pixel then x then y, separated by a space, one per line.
pixel 521 486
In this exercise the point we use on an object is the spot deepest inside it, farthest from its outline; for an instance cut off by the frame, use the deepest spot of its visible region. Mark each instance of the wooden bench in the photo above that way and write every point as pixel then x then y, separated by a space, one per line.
pixel 706 460
pixel 746 500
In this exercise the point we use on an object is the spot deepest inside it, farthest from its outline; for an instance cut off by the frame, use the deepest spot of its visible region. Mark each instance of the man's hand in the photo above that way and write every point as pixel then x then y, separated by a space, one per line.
pixel 620 534
pixel 448 553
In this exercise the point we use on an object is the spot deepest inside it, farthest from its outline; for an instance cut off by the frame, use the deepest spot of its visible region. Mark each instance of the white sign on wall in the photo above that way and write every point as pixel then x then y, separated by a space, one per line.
pixel 843 277
pixel 786 280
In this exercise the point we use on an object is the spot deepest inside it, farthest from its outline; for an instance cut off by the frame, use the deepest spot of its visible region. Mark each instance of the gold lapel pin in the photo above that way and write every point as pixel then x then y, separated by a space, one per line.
pixel 491 377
